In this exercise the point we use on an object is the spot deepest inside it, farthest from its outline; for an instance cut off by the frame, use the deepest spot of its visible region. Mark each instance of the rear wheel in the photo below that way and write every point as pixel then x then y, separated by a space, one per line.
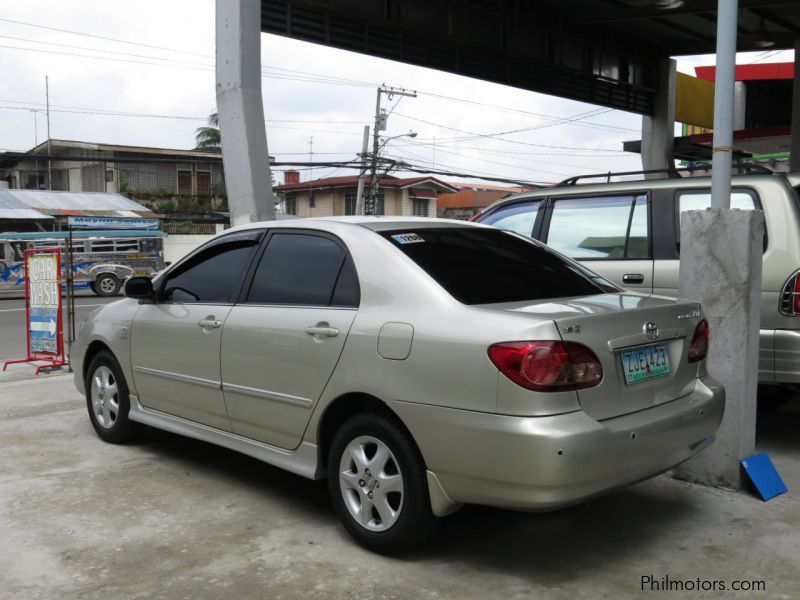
pixel 377 482
pixel 107 285
pixel 108 401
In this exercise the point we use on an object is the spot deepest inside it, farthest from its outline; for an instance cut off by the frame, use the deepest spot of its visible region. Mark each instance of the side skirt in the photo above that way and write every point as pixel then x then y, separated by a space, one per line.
pixel 303 461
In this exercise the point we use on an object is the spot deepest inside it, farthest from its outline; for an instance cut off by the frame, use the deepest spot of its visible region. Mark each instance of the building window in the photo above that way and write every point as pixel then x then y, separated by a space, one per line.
pixel 312 201
pixel 204 183
pixel 185 183
pixel 290 204
pixel 350 203
pixel 419 207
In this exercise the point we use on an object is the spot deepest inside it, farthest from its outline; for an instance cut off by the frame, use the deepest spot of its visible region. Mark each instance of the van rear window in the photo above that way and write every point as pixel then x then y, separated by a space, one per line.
pixel 487 266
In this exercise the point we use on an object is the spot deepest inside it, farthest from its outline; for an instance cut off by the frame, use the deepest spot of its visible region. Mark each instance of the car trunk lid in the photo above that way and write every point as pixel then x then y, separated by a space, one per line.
pixel 629 332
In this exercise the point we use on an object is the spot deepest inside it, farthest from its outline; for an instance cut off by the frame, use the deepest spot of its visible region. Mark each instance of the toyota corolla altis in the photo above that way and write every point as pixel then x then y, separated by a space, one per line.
pixel 417 364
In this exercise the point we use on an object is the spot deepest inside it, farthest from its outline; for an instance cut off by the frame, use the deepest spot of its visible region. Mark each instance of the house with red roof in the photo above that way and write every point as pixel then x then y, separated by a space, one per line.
pixel 330 196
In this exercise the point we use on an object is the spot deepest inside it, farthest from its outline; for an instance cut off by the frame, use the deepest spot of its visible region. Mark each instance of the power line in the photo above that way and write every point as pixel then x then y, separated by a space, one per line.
pixel 290 74
pixel 101 37
pixel 495 136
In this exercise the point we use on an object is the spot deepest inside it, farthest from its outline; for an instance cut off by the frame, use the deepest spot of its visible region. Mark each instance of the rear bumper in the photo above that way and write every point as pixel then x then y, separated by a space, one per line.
pixel 786 344
pixel 541 463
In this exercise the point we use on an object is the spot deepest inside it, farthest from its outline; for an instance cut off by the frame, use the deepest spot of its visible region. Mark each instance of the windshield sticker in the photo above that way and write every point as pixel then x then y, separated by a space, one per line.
pixel 407 238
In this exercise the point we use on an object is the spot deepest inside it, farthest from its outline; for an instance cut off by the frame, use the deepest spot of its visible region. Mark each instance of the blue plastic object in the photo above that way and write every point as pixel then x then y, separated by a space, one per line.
pixel 764 476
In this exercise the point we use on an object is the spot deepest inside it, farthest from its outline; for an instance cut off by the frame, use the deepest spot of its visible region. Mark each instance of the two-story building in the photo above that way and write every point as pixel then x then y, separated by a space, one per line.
pixel 329 196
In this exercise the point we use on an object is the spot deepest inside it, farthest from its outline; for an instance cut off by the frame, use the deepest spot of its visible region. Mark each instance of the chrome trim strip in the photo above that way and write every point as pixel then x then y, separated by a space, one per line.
pixel 208 383
pixel 268 395
pixel 639 339
pixel 303 461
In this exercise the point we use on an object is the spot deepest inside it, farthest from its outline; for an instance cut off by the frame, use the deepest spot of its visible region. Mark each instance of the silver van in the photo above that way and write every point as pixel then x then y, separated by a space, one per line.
pixel 629 232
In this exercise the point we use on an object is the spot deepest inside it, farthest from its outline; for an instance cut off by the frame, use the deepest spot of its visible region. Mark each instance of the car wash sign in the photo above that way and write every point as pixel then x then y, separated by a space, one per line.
pixel 43 293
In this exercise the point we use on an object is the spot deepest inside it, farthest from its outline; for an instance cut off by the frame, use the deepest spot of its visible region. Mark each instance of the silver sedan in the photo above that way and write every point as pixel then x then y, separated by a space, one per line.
pixel 417 364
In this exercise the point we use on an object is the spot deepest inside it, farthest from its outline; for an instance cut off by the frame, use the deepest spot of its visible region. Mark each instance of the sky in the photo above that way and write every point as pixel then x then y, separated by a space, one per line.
pixel 151 64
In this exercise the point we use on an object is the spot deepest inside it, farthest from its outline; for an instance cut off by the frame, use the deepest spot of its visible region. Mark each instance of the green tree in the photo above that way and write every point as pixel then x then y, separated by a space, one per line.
pixel 208 136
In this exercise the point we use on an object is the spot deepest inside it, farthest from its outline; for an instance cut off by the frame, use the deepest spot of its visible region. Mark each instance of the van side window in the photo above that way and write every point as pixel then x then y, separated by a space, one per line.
pixel 519 217
pixel 608 228
pixel 702 200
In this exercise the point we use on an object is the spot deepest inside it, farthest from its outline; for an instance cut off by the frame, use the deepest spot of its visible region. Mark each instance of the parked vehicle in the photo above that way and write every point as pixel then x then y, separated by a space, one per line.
pixel 102 260
pixel 418 364
pixel 629 232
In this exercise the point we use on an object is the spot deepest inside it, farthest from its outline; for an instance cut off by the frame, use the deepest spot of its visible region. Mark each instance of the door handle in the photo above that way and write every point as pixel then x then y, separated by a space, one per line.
pixel 209 323
pixel 633 278
pixel 322 330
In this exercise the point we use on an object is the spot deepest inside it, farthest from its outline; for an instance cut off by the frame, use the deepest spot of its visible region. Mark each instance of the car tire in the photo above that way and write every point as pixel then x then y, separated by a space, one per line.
pixel 108 401
pixel 107 285
pixel 396 518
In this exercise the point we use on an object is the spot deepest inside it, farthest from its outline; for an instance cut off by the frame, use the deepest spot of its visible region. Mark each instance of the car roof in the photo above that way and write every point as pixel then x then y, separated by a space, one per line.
pixel 374 223
pixel 637 185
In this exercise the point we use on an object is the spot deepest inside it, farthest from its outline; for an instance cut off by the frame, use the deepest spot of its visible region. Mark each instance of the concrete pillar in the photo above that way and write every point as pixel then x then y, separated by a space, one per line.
pixel 658 130
pixel 794 156
pixel 721 258
pixel 241 111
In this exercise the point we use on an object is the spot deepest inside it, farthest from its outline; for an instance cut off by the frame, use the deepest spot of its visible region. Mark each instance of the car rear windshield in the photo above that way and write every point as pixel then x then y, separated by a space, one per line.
pixel 487 266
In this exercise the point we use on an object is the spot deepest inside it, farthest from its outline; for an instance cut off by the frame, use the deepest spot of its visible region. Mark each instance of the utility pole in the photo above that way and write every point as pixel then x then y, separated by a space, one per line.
pixel 381 119
pixel 311 157
pixel 359 208
pixel 47 100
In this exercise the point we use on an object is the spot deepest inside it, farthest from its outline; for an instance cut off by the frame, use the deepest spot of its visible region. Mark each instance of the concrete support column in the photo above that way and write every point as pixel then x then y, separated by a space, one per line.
pixel 721 259
pixel 794 156
pixel 658 131
pixel 241 111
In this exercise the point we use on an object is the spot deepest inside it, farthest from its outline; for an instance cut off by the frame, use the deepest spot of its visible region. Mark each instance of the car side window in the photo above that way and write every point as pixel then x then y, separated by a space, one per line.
pixel 304 270
pixel 519 217
pixel 610 227
pixel 212 275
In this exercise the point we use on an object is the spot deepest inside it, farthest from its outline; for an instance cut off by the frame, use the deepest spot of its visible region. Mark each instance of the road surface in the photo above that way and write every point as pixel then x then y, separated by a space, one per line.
pixel 12 322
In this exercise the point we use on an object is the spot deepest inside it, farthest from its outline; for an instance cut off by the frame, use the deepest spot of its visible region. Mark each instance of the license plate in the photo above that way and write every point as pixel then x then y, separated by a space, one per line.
pixel 648 362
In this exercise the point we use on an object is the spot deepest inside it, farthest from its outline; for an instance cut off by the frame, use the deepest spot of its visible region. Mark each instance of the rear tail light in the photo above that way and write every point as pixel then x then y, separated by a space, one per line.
pixel 699 346
pixel 547 366
pixel 790 296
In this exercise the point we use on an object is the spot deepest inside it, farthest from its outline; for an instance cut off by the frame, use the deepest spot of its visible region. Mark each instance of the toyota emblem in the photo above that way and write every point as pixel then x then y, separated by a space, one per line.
pixel 650 329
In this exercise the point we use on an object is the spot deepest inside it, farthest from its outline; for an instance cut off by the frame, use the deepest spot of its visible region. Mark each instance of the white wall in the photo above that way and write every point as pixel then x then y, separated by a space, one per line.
pixel 178 246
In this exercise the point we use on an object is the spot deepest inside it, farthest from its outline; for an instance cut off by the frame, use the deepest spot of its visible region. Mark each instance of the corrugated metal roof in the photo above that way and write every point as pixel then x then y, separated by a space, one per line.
pixel 82 201
pixel 12 208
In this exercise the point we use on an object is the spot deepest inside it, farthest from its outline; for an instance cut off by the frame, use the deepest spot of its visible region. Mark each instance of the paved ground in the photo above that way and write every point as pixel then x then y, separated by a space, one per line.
pixel 12 326
pixel 168 517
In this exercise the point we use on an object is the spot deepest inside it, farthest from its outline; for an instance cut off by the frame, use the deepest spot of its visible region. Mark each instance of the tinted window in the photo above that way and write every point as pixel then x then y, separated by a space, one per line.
pixel 516 217
pixel 302 269
pixel 347 292
pixel 212 275
pixel 598 227
pixel 484 266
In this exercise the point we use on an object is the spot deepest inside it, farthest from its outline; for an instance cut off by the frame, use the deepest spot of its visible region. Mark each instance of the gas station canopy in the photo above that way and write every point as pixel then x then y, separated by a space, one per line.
pixel 606 52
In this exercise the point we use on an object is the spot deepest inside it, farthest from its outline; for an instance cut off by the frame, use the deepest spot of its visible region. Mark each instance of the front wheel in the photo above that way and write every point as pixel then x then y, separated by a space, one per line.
pixel 378 485
pixel 108 401
pixel 107 285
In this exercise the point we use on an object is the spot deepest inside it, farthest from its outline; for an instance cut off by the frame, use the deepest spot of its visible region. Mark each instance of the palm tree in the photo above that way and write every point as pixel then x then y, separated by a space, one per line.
pixel 208 137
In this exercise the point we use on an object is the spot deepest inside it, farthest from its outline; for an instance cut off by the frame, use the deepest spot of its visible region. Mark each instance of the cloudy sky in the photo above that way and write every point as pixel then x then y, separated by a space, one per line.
pixel 142 73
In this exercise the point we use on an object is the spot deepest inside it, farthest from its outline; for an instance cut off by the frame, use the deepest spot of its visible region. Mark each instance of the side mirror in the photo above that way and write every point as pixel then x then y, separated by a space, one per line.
pixel 140 288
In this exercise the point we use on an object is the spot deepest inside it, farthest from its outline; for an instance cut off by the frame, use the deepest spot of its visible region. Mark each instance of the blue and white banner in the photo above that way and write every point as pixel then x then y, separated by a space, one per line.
pixel 112 223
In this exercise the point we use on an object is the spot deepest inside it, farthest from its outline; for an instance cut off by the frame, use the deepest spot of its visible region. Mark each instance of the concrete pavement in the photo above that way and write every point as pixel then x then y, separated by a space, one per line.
pixel 168 517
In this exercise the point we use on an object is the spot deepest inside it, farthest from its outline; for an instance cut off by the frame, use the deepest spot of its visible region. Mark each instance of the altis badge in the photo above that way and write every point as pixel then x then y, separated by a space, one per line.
pixel 407 238
pixel 691 315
